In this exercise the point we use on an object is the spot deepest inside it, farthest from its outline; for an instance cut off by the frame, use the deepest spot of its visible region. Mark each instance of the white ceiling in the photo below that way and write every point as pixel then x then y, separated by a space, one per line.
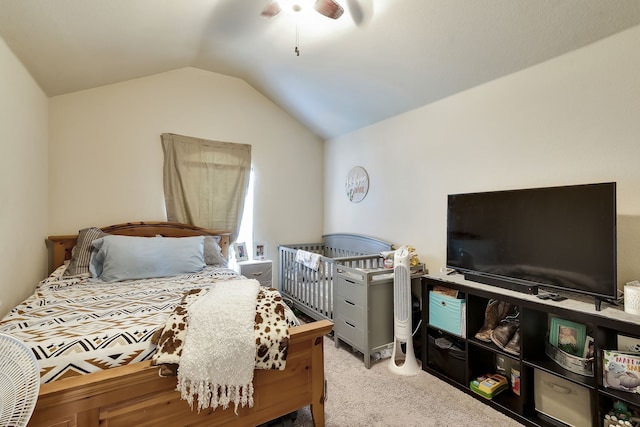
pixel 380 59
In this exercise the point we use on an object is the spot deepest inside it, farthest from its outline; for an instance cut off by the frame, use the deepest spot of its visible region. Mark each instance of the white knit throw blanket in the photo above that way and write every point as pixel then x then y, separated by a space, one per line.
pixel 219 352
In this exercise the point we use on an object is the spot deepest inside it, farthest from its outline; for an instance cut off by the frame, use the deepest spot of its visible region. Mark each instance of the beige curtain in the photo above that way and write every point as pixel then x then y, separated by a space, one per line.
pixel 205 182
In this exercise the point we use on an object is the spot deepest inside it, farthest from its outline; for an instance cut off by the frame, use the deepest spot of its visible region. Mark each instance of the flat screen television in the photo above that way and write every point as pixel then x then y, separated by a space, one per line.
pixel 563 238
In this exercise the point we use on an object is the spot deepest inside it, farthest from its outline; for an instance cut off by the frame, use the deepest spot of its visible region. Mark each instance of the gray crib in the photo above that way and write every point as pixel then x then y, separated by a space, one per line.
pixel 311 291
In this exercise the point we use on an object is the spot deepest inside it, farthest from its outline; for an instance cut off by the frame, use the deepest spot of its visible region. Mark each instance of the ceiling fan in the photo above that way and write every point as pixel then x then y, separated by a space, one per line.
pixel 328 8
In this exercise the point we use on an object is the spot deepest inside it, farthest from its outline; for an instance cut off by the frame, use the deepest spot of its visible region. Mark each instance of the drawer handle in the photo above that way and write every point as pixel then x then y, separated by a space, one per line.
pixel 559 388
pixel 349 302
pixel 353 326
pixel 257 274
pixel 442 303
pixel 350 282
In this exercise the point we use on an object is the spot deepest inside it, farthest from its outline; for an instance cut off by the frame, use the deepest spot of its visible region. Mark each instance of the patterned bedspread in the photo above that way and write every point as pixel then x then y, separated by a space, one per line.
pixel 75 326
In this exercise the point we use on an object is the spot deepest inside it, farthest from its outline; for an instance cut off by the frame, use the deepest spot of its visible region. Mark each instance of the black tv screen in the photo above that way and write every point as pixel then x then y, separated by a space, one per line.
pixel 557 237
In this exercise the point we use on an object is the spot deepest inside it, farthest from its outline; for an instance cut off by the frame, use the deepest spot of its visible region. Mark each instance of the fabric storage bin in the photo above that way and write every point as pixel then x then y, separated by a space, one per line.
pixel 447 313
pixel 561 399
pixel 451 361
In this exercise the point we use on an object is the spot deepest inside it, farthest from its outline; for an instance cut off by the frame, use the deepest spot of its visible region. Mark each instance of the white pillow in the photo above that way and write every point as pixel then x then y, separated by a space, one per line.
pixel 117 258
pixel 213 252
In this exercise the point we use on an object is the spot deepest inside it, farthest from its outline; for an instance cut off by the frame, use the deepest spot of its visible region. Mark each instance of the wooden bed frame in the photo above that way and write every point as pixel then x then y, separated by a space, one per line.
pixel 135 395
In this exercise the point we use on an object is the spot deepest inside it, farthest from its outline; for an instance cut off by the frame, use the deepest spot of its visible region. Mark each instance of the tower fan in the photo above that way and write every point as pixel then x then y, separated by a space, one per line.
pixel 402 363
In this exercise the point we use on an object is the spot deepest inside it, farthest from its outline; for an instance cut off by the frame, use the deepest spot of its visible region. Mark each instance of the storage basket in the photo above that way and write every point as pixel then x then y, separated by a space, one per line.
pixel 447 313
pixel 561 399
pixel 570 362
pixel 451 361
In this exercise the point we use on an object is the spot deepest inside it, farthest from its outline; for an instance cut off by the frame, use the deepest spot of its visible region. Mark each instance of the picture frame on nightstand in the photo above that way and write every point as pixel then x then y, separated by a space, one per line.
pixel 259 250
pixel 240 251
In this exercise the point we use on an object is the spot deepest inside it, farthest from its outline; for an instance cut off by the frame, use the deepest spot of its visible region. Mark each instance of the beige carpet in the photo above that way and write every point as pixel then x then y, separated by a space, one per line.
pixel 357 396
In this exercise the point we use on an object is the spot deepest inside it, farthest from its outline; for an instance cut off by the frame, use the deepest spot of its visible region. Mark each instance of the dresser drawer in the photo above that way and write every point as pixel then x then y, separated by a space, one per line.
pixel 259 270
pixel 350 291
pixel 350 312
pixel 350 332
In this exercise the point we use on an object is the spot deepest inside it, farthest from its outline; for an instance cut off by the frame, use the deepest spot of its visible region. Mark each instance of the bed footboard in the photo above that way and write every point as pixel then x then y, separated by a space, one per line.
pixel 137 395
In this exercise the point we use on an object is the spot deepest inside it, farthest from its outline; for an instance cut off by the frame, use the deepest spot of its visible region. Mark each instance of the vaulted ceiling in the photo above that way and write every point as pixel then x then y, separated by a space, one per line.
pixel 380 59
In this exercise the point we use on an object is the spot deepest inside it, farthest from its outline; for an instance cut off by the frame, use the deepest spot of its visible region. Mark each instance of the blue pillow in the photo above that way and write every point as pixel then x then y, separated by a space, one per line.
pixel 117 258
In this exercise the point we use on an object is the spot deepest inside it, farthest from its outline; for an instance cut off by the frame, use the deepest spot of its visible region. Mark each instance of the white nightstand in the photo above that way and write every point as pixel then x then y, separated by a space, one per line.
pixel 259 269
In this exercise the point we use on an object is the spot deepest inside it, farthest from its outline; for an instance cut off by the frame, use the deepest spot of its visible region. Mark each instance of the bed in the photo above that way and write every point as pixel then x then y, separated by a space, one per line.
pixel 134 393
pixel 310 286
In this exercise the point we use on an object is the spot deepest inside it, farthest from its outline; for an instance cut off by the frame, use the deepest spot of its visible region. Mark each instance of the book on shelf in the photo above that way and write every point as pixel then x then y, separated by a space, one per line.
pixel 621 370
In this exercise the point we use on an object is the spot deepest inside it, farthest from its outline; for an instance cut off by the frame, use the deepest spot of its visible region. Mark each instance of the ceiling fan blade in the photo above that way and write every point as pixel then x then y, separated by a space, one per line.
pixel 329 8
pixel 271 10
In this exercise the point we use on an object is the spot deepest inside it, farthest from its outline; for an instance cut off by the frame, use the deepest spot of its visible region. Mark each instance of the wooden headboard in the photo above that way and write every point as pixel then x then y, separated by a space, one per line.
pixel 60 246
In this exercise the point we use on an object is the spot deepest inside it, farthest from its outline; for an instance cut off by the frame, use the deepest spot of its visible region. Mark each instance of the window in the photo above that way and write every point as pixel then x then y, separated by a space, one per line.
pixel 246 223
pixel 205 182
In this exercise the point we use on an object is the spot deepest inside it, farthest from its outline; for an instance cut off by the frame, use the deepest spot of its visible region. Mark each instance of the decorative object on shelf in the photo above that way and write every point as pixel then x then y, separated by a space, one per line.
pixel 626 343
pixel 612 421
pixel 568 336
pixel 589 348
pixel 494 313
pixel 507 334
pixel 570 347
pixel 621 411
pixel 489 385
pixel 259 250
pixel 578 365
pixel 240 251
pixel 621 370
pixel 507 366
pixel 390 255
pixel 632 297
pixel 357 184
pixel 515 381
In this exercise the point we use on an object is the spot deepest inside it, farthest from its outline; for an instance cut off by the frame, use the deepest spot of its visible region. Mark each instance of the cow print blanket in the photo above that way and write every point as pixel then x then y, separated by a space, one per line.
pixel 272 322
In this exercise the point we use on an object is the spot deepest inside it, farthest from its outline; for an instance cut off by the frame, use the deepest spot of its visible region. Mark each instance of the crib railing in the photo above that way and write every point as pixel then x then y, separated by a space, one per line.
pixel 309 290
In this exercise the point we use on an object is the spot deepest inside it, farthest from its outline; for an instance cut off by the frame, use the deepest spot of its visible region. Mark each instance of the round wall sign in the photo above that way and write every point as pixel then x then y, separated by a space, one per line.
pixel 357 184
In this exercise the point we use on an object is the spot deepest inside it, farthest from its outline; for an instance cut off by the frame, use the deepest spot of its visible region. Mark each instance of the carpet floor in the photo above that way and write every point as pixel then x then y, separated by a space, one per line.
pixel 357 396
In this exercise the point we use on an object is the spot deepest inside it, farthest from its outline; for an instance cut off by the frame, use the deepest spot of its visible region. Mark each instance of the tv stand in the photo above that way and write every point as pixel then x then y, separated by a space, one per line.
pixel 471 357
pixel 505 284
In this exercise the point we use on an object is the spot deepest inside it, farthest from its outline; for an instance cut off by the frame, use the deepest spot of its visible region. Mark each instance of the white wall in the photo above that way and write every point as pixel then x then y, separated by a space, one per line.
pixel 571 120
pixel 23 181
pixel 106 157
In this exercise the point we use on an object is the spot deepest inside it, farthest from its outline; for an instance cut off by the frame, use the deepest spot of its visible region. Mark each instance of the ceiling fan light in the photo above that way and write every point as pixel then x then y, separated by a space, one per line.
pixel 296 6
